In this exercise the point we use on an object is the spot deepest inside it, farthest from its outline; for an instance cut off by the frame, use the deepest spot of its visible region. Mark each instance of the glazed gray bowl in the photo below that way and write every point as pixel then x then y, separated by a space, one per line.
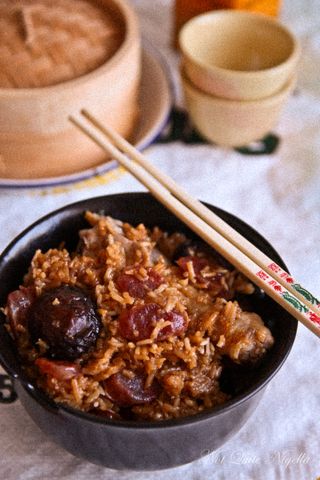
pixel 131 444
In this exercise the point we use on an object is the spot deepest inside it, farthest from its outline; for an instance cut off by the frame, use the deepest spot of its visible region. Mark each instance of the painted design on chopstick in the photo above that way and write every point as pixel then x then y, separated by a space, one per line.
pixel 270 281
pixel 307 295
pixel 314 318
pixel 291 299
pixel 180 129
pixel 299 306
pixel 296 286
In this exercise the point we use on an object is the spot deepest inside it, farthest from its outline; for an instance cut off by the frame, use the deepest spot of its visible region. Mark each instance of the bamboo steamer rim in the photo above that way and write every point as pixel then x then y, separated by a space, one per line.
pixel 131 30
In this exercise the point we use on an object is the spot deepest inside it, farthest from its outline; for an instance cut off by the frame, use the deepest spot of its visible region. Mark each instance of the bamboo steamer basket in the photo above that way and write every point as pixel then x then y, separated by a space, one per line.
pixel 36 137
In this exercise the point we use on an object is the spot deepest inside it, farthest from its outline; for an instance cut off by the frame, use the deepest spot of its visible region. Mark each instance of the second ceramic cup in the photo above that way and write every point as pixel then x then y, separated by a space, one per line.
pixel 233 123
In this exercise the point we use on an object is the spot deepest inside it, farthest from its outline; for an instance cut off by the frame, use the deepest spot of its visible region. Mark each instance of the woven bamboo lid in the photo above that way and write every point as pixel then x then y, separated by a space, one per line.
pixel 44 42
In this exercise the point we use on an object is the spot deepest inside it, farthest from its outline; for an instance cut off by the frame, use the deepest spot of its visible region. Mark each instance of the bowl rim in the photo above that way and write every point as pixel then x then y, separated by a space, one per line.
pixel 131 33
pixel 239 74
pixel 45 401
pixel 264 101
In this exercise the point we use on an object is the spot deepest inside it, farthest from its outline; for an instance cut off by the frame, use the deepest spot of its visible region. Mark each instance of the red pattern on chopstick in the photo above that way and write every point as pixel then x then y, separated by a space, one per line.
pixel 295 285
pixel 299 306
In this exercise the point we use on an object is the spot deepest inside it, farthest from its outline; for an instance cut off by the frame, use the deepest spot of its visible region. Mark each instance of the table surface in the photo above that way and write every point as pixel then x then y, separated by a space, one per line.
pixel 279 195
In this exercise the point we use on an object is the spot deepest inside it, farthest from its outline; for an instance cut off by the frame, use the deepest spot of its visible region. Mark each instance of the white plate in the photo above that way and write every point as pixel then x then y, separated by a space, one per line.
pixel 156 100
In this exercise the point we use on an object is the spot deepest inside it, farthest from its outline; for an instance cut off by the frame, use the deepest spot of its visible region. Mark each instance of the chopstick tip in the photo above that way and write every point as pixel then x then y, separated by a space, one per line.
pixel 84 112
pixel 72 119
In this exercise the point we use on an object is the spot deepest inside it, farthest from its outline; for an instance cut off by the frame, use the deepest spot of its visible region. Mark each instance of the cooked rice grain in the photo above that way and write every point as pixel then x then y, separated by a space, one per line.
pixel 186 367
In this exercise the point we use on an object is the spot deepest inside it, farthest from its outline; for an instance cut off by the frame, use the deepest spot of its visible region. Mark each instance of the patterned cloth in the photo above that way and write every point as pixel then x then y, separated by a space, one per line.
pixel 278 194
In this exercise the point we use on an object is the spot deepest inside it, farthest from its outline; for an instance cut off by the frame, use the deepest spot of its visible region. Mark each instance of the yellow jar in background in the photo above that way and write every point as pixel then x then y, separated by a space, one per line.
pixel 186 9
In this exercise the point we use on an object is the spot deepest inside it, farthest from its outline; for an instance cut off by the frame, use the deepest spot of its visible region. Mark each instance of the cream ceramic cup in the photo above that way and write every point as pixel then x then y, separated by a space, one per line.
pixel 233 123
pixel 238 55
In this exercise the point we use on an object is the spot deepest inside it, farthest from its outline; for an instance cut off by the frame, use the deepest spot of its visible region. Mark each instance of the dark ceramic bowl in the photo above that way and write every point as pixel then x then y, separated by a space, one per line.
pixel 138 445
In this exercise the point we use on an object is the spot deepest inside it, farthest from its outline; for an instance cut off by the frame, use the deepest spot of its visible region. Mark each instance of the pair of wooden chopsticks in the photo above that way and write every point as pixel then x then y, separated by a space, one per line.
pixel 248 259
